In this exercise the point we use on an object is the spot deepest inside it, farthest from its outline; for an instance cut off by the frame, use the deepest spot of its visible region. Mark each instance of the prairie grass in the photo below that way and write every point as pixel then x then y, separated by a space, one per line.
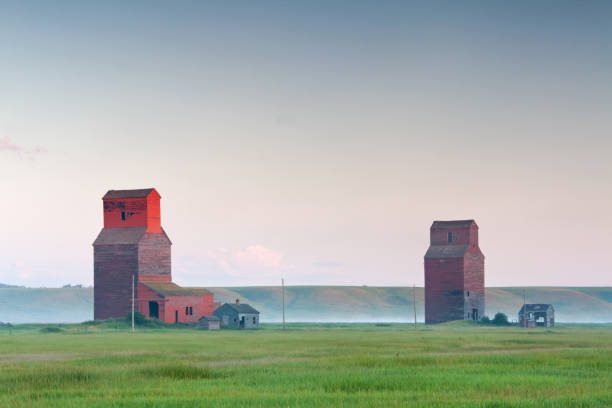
pixel 308 365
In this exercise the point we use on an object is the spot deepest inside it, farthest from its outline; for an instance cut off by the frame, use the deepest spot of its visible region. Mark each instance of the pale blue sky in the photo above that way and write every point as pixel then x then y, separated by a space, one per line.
pixel 315 141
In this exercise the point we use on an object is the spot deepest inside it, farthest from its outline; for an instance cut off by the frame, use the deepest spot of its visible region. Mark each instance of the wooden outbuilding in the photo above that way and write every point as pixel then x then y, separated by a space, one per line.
pixel 537 315
pixel 209 323
pixel 238 315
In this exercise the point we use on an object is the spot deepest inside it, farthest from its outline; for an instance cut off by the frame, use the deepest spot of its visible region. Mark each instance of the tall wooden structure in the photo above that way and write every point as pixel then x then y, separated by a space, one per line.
pixel 133 244
pixel 454 273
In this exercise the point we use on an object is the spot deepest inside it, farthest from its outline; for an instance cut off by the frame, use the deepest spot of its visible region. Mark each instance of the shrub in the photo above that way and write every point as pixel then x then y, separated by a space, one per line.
pixel 485 320
pixel 51 330
pixel 139 318
pixel 142 321
pixel 500 319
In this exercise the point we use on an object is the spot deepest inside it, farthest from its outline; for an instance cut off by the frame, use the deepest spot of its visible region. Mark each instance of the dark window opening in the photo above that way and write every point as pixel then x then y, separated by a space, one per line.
pixel 254 320
pixel 186 310
pixel 154 310
pixel 122 215
pixel 468 293
pixel 475 314
pixel 191 310
pixel 176 316
pixel 450 237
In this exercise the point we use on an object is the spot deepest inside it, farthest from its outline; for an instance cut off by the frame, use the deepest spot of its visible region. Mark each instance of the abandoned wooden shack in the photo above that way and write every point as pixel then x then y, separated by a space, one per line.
pixel 454 273
pixel 537 315
pixel 209 323
pixel 238 315
pixel 132 252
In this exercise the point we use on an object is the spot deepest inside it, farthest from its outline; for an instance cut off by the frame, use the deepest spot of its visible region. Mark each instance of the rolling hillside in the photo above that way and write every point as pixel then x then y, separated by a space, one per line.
pixel 319 303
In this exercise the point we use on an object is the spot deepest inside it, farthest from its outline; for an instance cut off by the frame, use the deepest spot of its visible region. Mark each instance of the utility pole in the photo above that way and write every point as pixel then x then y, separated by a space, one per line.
pixel 414 303
pixel 132 303
pixel 283 286
pixel 524 310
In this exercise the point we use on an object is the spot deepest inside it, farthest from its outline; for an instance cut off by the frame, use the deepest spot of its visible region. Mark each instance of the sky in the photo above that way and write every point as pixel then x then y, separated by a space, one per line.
pixel 311 141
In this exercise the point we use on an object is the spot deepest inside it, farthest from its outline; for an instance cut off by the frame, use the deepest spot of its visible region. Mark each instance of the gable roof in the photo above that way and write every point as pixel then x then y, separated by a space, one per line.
pixel 126 236
pixel 241 308
pixel 210 318
pixel 120 236
pixel 138 193
pixel 446 251
pixel 172 289
pixel 536 307
pixel 452 224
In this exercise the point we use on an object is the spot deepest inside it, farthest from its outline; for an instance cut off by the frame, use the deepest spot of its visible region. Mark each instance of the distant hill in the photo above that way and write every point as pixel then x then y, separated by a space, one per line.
pixel 318 303
pixel 3 285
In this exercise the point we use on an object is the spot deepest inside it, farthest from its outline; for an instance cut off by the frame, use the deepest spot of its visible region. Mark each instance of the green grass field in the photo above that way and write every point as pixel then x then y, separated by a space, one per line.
pixel 346 365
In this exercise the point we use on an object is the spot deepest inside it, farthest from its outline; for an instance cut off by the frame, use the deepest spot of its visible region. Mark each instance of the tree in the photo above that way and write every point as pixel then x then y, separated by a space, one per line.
pixel 500 319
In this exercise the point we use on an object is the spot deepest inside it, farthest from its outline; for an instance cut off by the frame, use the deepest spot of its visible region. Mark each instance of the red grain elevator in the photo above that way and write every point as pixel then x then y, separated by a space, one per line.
pixel 133 245
pixel 454 273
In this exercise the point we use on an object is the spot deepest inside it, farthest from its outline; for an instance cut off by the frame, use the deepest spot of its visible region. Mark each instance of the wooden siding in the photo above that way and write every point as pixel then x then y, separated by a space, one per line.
pixel 473 283
pixel 114 266
pixel 133 212
pixel 443 290
pixel 154 255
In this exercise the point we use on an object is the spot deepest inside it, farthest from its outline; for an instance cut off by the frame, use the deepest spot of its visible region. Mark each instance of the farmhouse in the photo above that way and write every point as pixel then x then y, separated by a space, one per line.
pixel 133 251
pixel 237 315
pixel 454 273
pixel 537 315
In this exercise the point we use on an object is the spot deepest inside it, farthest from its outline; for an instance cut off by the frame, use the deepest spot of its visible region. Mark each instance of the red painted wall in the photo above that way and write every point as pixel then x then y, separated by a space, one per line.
pixel 203 305
pixel 146 294
pixel 138 212
pixel 153 212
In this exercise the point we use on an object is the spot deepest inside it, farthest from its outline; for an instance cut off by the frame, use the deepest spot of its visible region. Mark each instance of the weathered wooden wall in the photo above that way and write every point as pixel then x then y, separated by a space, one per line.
pixel 114 266
pixel 443 290
pixel 154 255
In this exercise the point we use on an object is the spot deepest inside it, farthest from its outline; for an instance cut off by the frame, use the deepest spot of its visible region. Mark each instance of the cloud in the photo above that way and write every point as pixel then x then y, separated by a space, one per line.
pixel 252 259
pixel 260 256
pixel 7 145
pixel 254 263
